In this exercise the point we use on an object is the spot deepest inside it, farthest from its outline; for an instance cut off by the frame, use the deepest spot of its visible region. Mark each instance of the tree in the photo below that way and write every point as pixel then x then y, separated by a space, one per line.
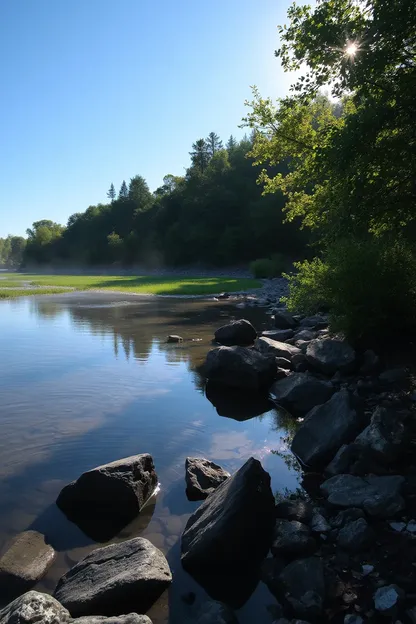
pixel 123 192
pixel 231 144
pixel 213 143
pixel 139 193
pixel 111 193
pixel 200 155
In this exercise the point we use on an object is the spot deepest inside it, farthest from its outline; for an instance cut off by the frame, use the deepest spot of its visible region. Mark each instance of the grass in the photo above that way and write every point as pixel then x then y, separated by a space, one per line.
pixel 25 292
pixel 132 284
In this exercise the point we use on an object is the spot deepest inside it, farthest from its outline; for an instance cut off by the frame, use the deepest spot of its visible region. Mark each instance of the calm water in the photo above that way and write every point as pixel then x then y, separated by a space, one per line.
pixel 86 379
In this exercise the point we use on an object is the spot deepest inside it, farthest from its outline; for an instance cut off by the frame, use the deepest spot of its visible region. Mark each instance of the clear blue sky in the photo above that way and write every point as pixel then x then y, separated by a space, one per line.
pixel 94 91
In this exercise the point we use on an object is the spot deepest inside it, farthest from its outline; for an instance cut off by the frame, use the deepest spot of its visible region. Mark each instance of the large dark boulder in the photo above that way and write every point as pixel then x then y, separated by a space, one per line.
pixel 240 367
pixel 300 392
pixel 283 319
pixel 105 499
pixel 125 577
pixel 329 355
pixel 227 537
pixel 267 346
pixel 24 564
pixel 325 428
pixel 202 477
pixel 240 333
pixel 385 436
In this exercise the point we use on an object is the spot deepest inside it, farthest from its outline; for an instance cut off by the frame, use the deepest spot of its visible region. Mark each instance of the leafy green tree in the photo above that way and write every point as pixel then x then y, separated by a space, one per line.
pixel 123 192
pixel 111 193
pixel 139 193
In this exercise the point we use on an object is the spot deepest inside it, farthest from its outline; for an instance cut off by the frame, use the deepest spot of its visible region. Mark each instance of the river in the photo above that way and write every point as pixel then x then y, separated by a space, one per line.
pixel 87 378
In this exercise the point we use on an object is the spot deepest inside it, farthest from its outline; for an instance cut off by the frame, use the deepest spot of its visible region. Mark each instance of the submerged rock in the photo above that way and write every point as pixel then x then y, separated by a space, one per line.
pixel 300 392
pixel 240 367
pixel 240 333
pixel 128 576
pixel 325 428
pixel 105 499
pixel 226 538
pixel 24 564
pixel 34 607
pixel 202 477
pixel 329 355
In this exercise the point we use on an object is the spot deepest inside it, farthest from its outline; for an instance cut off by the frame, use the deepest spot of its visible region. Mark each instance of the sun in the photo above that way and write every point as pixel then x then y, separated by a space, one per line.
pixel 351 48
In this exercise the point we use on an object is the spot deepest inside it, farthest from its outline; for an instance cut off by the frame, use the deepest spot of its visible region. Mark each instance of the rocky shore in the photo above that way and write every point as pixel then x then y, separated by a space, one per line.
pixel 341 550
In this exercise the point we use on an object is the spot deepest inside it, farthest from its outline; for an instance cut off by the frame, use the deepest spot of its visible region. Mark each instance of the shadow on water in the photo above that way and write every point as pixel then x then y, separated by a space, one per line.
pixel 237 404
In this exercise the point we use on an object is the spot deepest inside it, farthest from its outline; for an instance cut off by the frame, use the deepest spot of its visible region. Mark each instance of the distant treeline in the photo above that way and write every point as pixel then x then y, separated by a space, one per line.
pixel 215 214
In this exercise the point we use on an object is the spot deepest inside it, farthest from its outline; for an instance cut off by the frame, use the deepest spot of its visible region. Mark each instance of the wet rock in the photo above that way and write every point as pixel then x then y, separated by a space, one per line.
pixel 34 607
pixel 325 428
pixel 283 363
pixel 344 517
pixel 385 435
pixel 292 538
pixel 300 392
pixel 237 403
pixel 174 339
pixel 212 612
pixel 276 348
pixel 278 334
pixel 240 333
pixel 228 536
pixel 329 355
pixel 105 499
pixel 283 319
pixel 304 586
pixel 24 564
pixel 314 322
pixel 370 362
pixel 377 496
pixel 202 477
pixel 387 599
pixel 131 618
pixel 393 375
pixel 356 536
pixel 127 576
pixel 291 509
pixel 240 367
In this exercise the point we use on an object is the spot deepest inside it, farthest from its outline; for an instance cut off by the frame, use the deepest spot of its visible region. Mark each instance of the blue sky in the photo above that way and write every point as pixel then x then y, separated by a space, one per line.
pixel 94 91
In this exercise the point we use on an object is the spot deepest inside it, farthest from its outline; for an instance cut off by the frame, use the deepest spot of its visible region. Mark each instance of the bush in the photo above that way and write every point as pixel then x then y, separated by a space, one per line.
pixel 368 286
pixel 268 267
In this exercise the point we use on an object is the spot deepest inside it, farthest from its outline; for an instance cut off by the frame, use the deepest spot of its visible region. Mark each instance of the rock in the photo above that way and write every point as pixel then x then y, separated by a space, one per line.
pixel 385 435
pixel 241 333
pixel 202 477
pixel 34 607
pixel 367 569
pixel 411 526
pixel 305 334
pixel 283 319
pixel 128 576
pixel 329 355
pixel 292 538
pixel 302 345
pixel 344 517
pixel 346 455
pixel 387 598
pixel 325 428
pixel 283 363
pixel 356 536
pixel 300 363
pixel 393 375
pixel 270 571
pixel 290 509
pixel 397 526
pixel 411 614
pixel 240 367
pixel 174 339
pixel 131 618
pixel 352 618
pixel 377 496
pixel 105 499
pixel 278 334
pixel 24 564
pixel 228 536
pixel 319 523
pixel 314 322
pixel 300 392
pixel 276 348
pixel 241 305
pixel 370 363
pixel 304 586
pixel 212 612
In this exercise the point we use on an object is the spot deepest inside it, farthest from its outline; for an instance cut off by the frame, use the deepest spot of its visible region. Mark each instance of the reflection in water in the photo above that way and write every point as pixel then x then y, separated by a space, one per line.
pixel 89 379
pixel 237 404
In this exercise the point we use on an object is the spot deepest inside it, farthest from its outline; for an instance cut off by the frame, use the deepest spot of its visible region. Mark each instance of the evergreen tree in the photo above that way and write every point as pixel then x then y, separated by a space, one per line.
pixel 213 143
pixel 231 144
pixel 200 155
pixel 111 193
pixel 123 192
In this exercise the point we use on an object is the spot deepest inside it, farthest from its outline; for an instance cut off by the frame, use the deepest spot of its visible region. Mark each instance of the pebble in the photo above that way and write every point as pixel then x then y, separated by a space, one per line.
pixel 367 569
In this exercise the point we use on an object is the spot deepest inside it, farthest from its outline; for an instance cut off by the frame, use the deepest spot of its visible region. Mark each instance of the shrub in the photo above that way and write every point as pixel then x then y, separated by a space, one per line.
pixel 369 287
pixel 268 267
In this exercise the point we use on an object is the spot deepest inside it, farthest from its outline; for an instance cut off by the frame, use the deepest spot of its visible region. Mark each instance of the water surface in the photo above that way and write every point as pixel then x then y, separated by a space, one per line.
pixel 88 378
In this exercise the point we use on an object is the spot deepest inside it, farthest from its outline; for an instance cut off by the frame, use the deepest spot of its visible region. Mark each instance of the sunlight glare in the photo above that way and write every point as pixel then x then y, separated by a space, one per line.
pixel 351 48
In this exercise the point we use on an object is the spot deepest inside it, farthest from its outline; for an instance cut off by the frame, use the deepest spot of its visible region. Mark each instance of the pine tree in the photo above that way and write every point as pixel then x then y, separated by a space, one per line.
pixel 231 144
pixel 111 193
pixel 123 192
pixel 200 155
pixel 214 144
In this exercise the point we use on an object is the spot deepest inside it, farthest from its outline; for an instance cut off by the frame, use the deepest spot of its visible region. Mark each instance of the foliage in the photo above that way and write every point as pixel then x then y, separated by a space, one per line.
pixel 11 250
pixel 268 267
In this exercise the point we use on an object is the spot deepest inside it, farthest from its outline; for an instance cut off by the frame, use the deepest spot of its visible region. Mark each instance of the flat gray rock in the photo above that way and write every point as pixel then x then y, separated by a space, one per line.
pixel 32 608
pixel 377 496
pixel 240 367
pixel 128 576
pixel 105 499
pixel 202 477
pixel 329 355
pixel 278 334
pixel 25 563
pixel 325 428
pixel 300 392
pixel 267 346
pixel 241 333
pixel 130 618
